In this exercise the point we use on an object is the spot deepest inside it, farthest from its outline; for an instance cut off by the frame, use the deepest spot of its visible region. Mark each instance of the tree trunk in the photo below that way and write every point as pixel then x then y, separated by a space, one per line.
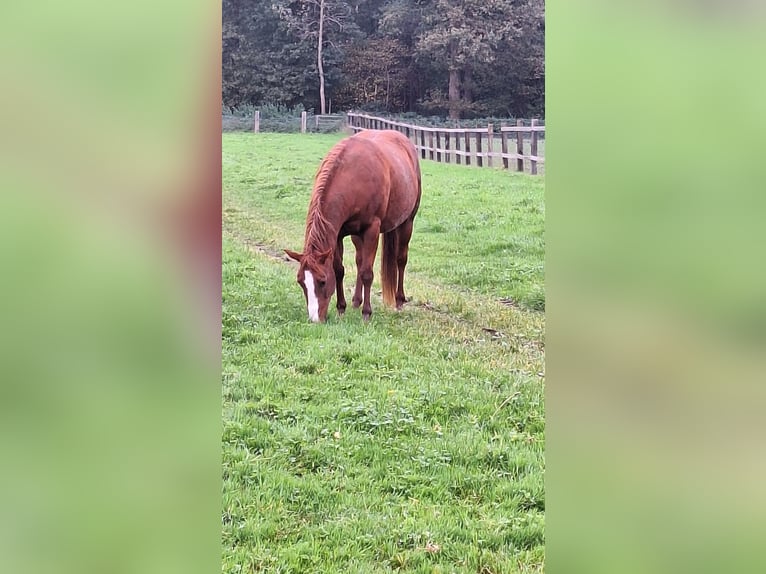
pixel 453 91
pixel 320 67
pixel 454 94
pixel 467 85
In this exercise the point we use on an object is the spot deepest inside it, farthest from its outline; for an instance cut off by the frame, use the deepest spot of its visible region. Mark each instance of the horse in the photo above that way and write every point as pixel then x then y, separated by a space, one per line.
pixel 367 185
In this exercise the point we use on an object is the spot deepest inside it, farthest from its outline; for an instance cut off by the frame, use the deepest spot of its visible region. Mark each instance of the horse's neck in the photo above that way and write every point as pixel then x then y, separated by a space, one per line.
pixel 320 244
pixel 322 229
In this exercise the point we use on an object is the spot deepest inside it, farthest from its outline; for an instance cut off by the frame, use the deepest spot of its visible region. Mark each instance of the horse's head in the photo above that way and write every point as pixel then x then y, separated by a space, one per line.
pixel 317 279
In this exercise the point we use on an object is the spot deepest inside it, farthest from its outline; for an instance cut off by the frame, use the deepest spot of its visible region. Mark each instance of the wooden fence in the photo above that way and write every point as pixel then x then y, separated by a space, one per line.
pixel 328 120
pixel 491 146
pixel 320 121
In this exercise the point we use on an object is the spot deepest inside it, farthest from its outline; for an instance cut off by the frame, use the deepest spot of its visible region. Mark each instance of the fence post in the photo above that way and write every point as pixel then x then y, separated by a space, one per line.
pixel 430 145
pixel 479 158
pixel 490 147
pixel 447 152
pixel 504 147
pixel 519 147
pixel 422 144
pixel 533 148
pixel 257 121
pixel 303 122
pixel 457 148
pixel 467 148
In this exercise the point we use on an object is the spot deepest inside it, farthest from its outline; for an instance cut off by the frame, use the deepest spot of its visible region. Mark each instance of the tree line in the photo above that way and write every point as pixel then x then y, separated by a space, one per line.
pixel 461 58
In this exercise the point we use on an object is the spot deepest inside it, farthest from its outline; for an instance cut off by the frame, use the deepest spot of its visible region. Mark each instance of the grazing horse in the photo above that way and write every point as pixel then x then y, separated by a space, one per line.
pixel 367 185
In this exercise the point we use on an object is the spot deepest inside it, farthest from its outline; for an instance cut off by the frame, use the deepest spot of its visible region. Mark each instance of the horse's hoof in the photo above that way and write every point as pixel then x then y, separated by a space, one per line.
pixel 366 316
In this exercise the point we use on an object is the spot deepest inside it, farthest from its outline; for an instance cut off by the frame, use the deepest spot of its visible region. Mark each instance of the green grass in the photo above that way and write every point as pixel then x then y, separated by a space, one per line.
pixel 413 443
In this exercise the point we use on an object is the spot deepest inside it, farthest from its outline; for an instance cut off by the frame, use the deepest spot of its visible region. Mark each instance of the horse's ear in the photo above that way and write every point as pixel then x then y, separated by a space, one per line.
pixel 322 257
pixel 294 256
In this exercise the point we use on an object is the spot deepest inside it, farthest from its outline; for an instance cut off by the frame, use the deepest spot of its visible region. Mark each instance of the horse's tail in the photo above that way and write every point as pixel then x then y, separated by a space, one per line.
pixel 388 267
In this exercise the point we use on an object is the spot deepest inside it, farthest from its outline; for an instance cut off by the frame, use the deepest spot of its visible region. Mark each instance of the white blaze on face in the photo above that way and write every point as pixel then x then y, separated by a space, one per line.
pixel 311 297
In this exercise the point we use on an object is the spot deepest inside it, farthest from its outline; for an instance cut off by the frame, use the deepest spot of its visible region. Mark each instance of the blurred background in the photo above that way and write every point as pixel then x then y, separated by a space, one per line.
pixel 110 251
pixel 655 286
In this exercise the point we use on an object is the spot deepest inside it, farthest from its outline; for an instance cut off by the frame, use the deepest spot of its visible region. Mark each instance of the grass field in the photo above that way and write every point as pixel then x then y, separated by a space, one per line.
pixel 414 443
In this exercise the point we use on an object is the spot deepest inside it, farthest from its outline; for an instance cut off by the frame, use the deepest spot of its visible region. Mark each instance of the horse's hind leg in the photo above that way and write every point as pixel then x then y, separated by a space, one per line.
pixel 370 248
pixel 405 233
pixel 358 245
pixel 337 264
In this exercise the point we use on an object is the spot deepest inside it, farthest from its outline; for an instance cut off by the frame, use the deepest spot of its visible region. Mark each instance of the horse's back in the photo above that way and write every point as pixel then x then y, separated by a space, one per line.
pixel 401 159
pixel 391 142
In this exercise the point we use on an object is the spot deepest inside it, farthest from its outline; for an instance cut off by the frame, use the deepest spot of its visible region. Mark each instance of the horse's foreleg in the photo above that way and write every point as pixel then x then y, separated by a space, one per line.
pixel 340 272
pixel 370 248
pixel 405 233
pixel 358 246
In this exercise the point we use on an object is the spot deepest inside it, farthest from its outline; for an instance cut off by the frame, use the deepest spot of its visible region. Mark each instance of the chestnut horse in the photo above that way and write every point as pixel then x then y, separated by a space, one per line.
pixel 367 185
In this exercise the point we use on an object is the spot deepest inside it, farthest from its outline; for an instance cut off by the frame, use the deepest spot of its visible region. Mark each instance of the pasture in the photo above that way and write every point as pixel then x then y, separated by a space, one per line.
pixel 414 443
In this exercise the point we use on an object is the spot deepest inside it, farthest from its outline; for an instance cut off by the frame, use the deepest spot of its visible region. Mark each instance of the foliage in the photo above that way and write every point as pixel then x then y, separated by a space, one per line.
pixel 472 57
pixel 261 62
pixel 375 74
pixel 414 443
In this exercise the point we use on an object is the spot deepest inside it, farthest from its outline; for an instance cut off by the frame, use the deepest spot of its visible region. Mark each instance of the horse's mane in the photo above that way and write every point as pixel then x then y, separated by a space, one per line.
pixel 317 225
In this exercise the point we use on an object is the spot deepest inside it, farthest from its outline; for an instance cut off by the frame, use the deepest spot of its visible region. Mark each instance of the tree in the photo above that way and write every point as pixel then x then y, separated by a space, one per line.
pixel 375 75
pixel 466 58
pixel 464 33
pixel 514 84
pixel 314 21
pixel 261 62
pixel 403 21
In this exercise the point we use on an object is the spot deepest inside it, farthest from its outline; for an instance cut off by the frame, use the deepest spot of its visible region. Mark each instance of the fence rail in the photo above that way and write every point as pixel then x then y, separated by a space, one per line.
pixel 328 120
pixel 305 122
pixel 481 146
